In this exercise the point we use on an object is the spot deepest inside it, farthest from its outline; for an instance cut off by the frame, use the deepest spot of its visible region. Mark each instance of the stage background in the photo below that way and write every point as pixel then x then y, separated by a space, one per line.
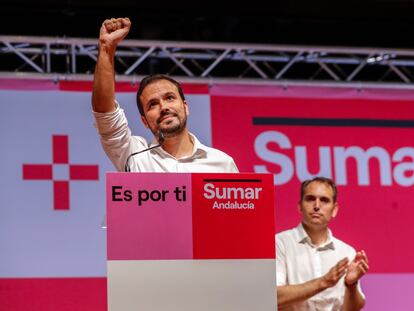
pixel 53 251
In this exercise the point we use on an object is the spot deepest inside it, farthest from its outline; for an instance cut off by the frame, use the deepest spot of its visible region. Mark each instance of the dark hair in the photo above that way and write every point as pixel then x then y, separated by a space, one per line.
pixel 320 179
pixel 150 79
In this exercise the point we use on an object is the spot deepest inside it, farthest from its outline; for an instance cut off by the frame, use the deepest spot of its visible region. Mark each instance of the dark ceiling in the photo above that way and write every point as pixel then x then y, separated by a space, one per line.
pixel 376 23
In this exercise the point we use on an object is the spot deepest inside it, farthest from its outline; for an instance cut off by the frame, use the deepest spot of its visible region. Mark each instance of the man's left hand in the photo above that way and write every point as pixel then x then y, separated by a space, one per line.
pixel 357 268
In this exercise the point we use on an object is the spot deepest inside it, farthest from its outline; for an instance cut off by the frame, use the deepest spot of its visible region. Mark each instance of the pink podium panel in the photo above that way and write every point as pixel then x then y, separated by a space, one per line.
pixel 149 216
pixel 190 241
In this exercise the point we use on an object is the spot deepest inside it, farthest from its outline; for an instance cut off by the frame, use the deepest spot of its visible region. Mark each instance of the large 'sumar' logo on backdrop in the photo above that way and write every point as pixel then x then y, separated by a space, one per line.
pixel 393 166
pixel 60 172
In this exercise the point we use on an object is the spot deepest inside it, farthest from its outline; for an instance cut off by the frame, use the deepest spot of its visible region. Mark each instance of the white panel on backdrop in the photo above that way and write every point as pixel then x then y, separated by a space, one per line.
pixel 37 240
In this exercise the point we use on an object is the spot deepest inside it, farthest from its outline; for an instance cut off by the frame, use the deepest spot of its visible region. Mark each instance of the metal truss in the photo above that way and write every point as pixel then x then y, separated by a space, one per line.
pixel 70 57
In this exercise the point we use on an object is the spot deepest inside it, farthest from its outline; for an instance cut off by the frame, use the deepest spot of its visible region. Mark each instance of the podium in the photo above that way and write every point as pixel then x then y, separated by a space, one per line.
pixel 190 242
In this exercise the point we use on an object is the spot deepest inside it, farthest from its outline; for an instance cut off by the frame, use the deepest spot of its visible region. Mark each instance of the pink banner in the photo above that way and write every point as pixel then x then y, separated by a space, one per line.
pixel 365 145
pixel 51 294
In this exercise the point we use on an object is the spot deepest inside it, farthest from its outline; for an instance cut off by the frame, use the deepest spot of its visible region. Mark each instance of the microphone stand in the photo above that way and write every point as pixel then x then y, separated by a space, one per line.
pixel 161 139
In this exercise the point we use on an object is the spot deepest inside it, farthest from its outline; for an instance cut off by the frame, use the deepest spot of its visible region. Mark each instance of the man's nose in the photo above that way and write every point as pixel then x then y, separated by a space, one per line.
pixel 317 205
pixel 164 105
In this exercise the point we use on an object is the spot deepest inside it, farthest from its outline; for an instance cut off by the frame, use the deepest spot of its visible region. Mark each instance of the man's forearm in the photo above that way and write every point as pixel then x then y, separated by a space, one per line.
pixel 290 294
pixel 103 95
pixel 353 300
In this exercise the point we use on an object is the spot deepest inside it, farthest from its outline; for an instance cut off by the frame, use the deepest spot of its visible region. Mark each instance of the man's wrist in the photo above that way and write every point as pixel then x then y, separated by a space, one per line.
pixel 106 48
pixel 351 285
pixel 323 283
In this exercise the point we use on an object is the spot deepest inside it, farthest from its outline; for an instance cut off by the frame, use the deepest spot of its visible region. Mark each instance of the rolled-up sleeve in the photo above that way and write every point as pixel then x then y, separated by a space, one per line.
pixel 115 135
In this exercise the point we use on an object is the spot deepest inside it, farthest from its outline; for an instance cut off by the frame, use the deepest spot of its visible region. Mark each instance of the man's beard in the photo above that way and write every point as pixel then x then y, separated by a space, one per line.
pixel 172 131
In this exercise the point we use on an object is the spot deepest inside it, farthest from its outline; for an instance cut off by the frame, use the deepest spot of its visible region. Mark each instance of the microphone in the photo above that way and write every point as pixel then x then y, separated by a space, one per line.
pixel 161 139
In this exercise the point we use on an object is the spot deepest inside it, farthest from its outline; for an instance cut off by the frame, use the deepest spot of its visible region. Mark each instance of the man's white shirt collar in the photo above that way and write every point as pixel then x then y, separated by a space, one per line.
pixel 304 238
pixel 199 150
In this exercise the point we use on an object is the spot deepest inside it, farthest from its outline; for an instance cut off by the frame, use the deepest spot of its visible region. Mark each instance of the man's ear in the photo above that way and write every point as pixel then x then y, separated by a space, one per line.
pixel 300 207
pixel 335 211
pixel 187 111
pixel 144 121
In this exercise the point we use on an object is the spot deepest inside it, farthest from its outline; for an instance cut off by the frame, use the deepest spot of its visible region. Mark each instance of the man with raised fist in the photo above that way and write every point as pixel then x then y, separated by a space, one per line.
pixel 163 110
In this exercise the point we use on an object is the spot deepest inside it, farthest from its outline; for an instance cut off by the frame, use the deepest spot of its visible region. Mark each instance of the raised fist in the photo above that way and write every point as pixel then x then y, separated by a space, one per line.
pixel 113 31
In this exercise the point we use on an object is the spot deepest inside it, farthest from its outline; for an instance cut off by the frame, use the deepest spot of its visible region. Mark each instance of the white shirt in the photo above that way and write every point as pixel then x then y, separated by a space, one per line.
pixel 298 261
pixel 118 143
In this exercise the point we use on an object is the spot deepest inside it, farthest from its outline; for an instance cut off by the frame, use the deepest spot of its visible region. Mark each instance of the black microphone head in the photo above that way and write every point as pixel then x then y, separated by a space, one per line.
pixel 161 137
